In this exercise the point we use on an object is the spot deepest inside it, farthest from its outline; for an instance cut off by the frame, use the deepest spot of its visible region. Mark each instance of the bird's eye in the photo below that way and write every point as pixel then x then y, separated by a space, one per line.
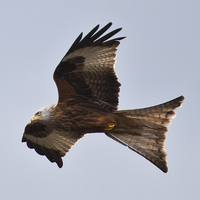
pixel 38 113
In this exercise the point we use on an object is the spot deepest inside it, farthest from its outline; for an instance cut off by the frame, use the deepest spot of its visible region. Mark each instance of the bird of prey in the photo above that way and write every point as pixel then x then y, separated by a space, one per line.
pixel 88 91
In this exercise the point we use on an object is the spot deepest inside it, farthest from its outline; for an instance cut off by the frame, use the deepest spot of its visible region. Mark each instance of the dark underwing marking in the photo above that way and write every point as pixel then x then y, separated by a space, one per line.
pixel 37 130
pixel 68 66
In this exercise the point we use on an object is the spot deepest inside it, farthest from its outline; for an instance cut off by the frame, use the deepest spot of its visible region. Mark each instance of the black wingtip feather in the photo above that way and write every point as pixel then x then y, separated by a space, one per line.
pixel 24 139
pixel 92 38
pixel 90 34
pixel 107 36
pixel 101 31
pixel 177 102
pixel 76 42
pixel 181 98
pixel 51 155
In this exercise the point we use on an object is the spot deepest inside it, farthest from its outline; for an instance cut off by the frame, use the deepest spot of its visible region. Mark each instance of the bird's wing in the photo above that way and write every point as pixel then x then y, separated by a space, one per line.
pixel 87 69
pixel 49 142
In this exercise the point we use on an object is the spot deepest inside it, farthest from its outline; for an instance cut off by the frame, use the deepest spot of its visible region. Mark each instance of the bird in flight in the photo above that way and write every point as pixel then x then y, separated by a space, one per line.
pixel 88 91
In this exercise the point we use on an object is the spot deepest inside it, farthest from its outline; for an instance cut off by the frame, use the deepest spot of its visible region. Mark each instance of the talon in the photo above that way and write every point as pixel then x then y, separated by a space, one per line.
pixel 109 127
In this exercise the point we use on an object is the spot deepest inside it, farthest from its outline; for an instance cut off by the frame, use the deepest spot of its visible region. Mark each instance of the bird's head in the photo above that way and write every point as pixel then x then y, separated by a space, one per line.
pixel 42 115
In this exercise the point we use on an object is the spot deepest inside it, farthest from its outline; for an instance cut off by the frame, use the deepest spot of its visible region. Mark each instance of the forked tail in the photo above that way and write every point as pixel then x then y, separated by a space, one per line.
pixel 143 130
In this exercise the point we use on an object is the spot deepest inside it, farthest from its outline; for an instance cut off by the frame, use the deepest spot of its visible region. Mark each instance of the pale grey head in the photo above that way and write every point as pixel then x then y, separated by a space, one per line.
pixel 43 114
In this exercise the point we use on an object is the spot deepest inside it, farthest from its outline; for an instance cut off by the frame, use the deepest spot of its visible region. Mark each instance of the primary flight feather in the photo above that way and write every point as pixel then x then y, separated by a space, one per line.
pixel 88 91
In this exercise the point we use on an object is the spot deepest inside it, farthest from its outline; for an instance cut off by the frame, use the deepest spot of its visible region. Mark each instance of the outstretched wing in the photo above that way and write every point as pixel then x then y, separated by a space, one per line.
pixel 87 69
pixel 49 142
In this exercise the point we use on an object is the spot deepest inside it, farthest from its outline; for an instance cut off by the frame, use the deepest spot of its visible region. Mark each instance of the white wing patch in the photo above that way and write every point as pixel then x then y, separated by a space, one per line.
pixel 99 56
pixel 56 140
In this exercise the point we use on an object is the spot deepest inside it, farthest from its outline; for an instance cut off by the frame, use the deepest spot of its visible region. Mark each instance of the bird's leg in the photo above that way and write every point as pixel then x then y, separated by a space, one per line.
pixel 109 127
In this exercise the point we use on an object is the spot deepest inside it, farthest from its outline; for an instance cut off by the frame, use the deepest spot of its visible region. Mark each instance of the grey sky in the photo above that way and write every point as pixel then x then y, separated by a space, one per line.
pixel 158 61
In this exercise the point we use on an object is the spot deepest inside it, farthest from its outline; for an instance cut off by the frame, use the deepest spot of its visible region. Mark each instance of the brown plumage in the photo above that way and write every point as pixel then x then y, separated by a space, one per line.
pixel 88 98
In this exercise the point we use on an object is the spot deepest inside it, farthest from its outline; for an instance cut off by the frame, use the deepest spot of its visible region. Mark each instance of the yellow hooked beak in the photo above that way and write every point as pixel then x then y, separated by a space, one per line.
pixel 35 118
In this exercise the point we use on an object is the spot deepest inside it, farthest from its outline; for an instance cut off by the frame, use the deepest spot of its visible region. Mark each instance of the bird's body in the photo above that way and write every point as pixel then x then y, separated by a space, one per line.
pixel 88 98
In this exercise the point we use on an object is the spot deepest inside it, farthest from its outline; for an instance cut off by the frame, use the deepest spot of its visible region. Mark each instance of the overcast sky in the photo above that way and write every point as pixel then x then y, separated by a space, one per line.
pixel 158 61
